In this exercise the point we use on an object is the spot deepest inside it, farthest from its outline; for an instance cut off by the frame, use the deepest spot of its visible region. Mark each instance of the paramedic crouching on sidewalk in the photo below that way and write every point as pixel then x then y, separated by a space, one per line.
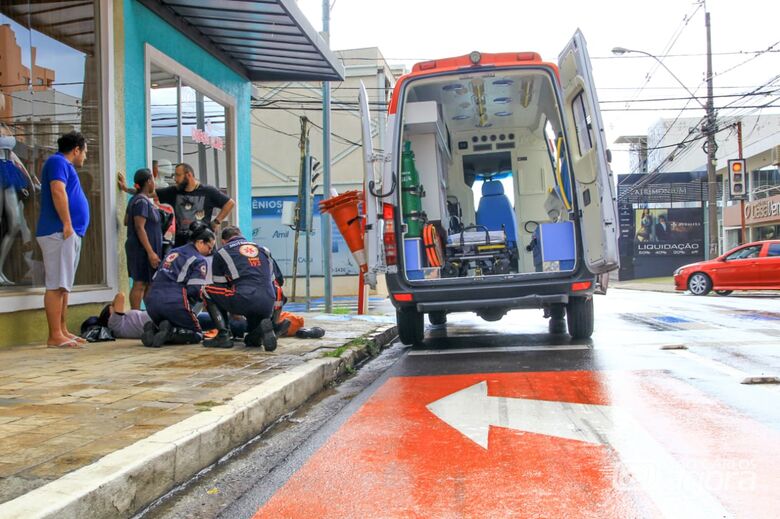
pixel 243 284
pixel 62 223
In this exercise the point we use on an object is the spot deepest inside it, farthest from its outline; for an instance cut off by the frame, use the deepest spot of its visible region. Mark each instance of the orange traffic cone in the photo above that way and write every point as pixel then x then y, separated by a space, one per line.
pixel 344 210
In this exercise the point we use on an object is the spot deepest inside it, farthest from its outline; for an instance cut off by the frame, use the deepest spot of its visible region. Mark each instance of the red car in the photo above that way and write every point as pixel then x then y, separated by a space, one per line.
pixel 753 266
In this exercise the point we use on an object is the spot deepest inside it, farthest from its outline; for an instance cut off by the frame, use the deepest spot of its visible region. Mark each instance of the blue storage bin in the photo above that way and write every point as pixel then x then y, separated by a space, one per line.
pixel 413 258
pixel 555 242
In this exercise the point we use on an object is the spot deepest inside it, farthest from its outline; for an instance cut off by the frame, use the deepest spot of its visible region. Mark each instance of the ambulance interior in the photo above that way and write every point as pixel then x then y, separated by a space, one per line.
pixel 485 185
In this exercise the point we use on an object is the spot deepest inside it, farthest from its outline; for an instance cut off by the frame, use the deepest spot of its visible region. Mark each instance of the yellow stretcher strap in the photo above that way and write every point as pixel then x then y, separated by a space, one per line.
pixel 559 173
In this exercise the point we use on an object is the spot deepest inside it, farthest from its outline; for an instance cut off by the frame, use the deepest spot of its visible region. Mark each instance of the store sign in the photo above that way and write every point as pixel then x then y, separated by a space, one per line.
pixel 767 208
pixel 268 230
pixel 206 138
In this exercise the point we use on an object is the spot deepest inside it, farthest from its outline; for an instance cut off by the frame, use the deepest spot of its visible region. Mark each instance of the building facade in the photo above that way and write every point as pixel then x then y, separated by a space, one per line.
pixel 276 157
pixel 676 145
pixel 145 81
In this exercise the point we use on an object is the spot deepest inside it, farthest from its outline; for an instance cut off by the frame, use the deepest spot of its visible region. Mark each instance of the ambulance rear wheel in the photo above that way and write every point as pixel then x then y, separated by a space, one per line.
pixel 411 328
pixel 437 318
pixel 579 317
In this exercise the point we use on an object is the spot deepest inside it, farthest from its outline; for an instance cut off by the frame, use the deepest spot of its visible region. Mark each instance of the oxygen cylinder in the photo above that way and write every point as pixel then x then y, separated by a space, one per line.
pixel 411 193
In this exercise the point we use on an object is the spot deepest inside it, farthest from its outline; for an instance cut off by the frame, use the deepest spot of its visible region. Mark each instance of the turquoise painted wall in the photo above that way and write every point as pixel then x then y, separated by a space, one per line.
pixel 141 27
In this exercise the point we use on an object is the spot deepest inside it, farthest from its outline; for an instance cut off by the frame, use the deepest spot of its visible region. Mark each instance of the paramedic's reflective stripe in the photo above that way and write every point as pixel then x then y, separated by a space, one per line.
pixel 196 281
pixel 213 289
pixel 219 279
pixel 279 297
pixel 230 264
pixel 185 269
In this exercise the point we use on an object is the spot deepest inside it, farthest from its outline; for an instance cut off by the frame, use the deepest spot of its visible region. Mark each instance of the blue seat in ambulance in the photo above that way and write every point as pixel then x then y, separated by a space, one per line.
pixel 495 212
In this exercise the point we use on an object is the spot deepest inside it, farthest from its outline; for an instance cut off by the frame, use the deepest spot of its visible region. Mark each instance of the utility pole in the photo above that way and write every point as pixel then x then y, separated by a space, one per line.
pixel 300 214
pixel 746 174
pixel 325 227
pixel 711 148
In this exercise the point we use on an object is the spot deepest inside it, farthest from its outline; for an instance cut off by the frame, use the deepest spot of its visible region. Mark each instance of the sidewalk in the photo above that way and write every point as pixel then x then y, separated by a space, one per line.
pixel 665 284
pixel 103 431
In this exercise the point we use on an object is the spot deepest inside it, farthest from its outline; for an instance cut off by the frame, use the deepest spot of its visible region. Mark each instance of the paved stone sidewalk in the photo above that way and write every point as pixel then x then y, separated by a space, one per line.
pixel 61 410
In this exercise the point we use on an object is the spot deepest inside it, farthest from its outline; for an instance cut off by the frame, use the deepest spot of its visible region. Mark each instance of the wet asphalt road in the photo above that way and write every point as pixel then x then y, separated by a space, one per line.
pixel 505 420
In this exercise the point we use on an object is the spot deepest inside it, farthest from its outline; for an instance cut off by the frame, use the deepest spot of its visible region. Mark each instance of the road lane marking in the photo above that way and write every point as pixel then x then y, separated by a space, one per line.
pixel 472 412
pixel 502 349
pixel 714 364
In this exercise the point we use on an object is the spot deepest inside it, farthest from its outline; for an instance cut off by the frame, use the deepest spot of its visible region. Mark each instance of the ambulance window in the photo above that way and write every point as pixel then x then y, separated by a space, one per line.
pixel 550 139
pixel 582 124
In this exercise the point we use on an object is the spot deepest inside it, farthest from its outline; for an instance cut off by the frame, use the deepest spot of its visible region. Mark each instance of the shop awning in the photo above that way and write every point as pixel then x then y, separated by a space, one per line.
pixel 263 40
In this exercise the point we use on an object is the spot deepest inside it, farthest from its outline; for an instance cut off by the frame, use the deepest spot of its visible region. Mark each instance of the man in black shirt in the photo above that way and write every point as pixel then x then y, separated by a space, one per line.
pixel 192 201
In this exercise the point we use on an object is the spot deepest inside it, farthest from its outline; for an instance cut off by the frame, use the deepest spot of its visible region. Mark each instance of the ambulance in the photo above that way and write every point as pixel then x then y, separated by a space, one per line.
pixel 494 191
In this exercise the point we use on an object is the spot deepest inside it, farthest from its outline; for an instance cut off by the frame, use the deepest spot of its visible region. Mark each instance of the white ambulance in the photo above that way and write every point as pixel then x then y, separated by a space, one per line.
pixel 495 191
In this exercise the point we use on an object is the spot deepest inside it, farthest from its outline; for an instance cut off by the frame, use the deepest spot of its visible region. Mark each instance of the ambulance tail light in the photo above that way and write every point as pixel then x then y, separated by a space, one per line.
pixel 391 248
pixel 582 285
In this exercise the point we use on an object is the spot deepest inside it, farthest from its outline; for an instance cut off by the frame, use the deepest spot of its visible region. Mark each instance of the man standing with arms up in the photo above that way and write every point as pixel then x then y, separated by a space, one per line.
pixel 193 201
pixel 62 224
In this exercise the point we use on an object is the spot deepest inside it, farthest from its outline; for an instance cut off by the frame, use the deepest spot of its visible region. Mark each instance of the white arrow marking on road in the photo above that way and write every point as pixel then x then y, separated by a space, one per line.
pixel 471 411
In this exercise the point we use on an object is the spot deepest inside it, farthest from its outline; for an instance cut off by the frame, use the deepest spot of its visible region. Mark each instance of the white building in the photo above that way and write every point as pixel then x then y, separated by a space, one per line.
pixel 276 156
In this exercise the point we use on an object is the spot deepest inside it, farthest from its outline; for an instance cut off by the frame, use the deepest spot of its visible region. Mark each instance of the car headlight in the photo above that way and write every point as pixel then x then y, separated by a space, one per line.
pixel 678 271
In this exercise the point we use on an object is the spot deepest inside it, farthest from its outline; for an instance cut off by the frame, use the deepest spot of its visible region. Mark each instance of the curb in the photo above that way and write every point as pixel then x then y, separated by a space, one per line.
pixel 125 481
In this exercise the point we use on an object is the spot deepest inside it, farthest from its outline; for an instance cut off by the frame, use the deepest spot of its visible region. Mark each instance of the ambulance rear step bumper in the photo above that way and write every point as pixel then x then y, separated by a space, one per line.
pixel 532 301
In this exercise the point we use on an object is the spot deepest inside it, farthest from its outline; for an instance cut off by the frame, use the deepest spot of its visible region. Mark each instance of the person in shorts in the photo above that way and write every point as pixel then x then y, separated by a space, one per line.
pixel 62 223
pixel 144 237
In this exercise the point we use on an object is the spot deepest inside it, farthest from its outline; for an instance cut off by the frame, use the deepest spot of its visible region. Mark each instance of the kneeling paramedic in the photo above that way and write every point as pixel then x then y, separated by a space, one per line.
pixel 176 286
pixel 244 284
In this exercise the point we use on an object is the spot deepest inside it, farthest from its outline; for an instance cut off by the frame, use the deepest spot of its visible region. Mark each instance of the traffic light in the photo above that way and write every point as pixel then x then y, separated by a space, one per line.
pixel 737 178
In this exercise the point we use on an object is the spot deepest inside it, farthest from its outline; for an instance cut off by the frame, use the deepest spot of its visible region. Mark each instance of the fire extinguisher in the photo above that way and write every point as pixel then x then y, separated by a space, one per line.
pixel 411 193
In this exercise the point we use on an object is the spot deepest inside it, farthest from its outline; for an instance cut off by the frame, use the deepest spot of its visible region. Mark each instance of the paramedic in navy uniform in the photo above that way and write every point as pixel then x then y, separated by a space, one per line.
pixel 193 201
pixel 244 284
pixel 176 286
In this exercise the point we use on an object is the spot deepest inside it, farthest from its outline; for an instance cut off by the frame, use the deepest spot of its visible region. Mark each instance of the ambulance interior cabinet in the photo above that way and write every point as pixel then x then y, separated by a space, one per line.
pixel 425 129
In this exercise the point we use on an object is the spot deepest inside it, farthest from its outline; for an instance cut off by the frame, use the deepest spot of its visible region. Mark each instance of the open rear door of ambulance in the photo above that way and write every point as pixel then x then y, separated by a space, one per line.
pixel 590 163
pixel 372 181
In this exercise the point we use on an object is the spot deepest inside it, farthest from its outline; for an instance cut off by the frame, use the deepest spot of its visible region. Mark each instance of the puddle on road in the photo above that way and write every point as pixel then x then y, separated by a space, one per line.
pixel 665 323
pixel 752 315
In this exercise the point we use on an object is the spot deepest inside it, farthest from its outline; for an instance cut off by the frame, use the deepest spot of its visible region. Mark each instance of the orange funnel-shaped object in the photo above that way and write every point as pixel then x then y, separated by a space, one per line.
pixel 344 209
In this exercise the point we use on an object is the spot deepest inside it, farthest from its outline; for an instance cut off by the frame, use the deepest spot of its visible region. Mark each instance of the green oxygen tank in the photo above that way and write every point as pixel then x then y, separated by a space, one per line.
pixel 411 193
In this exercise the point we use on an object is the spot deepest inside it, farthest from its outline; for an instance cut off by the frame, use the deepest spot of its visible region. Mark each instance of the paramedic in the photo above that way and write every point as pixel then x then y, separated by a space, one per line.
pixel 244 284
pixel 175 288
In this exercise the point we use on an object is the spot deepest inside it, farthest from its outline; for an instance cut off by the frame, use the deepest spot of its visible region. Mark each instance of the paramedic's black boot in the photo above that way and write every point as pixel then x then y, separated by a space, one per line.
pixel 221 340
pixel 254 336
pixel 147 337
pixel 163 335
pixel 280 328
pixel 268 335
pixel 184 336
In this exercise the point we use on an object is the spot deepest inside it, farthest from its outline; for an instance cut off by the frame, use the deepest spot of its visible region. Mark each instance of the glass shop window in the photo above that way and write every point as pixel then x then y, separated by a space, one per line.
pixel 49 85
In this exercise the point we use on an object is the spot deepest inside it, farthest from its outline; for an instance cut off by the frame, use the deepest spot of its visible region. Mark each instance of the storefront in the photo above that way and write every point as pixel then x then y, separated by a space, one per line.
pixel 762 221
pixel 149 83
pixel 661 223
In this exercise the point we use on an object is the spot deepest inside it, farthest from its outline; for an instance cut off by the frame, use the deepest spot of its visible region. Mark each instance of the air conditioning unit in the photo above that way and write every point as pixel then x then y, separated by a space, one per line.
pixel 776 155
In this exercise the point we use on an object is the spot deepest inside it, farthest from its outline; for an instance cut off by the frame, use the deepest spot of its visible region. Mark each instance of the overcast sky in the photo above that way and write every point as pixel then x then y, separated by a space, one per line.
pixel 409 31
